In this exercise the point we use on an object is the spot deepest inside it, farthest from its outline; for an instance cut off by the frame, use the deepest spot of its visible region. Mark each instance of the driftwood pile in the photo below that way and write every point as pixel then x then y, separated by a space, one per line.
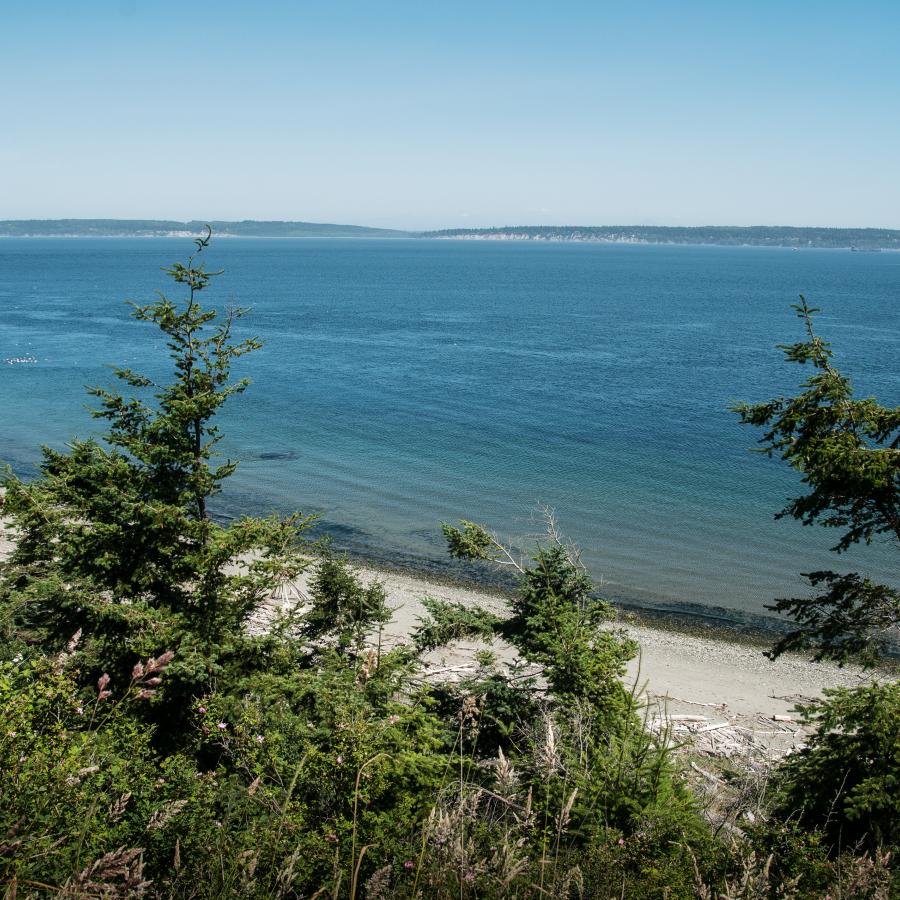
pixel 727 735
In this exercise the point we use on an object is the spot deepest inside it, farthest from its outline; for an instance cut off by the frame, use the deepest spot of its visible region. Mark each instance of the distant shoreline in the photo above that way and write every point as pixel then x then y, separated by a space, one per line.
pixel 219 235
pixel 863 240
pixel 403 237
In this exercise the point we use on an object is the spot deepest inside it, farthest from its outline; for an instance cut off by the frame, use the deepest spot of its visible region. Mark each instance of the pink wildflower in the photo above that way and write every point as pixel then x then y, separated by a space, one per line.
pixel 408 864
pixel 340 760
pixel 621 842
pixel 259 739
pixel 221 726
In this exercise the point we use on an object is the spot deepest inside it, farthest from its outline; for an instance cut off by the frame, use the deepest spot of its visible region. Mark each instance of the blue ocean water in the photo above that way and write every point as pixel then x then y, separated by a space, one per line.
pixel 407 382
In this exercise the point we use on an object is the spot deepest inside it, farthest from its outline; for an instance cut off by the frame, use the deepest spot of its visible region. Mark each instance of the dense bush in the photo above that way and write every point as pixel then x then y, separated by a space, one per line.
pixel 846 781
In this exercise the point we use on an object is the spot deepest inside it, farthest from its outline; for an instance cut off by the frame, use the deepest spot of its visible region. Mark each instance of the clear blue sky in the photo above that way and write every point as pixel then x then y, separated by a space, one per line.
pixel 432 114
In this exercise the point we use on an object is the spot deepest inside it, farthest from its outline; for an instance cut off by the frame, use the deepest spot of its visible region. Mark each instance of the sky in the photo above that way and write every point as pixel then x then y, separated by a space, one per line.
pixel 438 114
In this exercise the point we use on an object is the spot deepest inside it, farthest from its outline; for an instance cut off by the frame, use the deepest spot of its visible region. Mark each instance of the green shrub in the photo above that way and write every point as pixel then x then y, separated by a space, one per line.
pixel 845 784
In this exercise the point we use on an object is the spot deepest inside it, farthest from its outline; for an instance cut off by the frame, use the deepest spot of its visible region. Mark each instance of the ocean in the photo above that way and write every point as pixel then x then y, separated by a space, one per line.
pixel 408 382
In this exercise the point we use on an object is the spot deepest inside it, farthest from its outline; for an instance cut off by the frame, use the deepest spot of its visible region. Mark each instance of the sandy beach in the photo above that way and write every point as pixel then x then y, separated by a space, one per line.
pixel 693 680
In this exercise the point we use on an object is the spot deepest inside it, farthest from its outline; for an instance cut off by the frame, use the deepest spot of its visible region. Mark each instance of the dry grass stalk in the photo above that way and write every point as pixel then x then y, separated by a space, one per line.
pixel 146 676
pixel 379 884
pixel 753 882
pixel 508 862
pixel 80 775
pixel 868 877
pixel 64 656
pixel 562 820
pixel 506 779
pixel 285 878
pixel 162 816
pixel 544 745
pixel 117 809
pixel 119 873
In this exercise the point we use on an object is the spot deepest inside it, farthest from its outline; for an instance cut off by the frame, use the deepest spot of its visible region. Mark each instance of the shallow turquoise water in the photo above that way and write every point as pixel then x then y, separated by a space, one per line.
pixel 406 382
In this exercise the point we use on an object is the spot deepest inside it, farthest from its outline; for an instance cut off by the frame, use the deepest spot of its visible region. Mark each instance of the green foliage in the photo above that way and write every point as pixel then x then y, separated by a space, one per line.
pixel 554 623
pixel 342 611
pixel 81 780
pixel 151 744
pixel 589 738
pixel 470 541
pixel 852 617
pixel 848 453
pixel 447 622
pixel 114 539
pixel 557 624
pixel 846 782
pixel 837 795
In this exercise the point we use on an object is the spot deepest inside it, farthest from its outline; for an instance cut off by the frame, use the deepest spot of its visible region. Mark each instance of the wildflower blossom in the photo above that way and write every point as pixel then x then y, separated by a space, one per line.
pixel 221 726
pixel 408 864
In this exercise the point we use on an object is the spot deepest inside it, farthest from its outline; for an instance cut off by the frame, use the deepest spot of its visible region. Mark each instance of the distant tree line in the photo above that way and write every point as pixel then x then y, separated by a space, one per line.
pixel 862 239
pixel 756 235
pixel 165 227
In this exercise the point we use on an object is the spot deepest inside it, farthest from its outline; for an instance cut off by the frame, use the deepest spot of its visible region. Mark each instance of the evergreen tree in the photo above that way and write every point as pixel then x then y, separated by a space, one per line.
pixel 114 539
pixel 848 453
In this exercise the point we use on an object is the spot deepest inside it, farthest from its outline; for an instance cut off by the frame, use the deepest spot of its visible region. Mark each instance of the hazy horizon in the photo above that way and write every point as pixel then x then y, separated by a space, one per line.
pixel 416 117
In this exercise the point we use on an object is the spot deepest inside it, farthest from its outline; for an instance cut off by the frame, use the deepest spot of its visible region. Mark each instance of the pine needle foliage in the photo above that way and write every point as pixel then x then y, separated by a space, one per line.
pixel 847 451
pixel 114 538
